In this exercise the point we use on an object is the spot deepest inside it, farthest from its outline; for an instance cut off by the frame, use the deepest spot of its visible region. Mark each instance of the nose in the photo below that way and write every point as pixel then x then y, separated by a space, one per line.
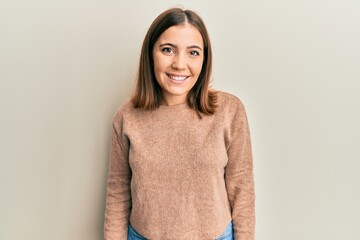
pixel 179 62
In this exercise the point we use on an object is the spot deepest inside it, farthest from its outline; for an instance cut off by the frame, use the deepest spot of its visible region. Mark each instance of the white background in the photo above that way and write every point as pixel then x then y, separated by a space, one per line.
pixel 66 65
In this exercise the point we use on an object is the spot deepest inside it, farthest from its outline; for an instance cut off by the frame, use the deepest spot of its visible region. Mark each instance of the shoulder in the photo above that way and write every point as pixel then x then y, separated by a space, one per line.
pixel 122 112
pixel 229 102
pixel 232 113
pixel 230 110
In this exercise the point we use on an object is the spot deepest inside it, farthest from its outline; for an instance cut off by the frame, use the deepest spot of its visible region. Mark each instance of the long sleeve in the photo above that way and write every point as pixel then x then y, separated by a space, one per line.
pixel 118 196
pixel 159 162
pixel 239 177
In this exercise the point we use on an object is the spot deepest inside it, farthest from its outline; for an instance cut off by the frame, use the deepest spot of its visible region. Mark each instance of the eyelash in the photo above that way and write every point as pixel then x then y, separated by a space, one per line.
pixel 195 53
pixel 168 50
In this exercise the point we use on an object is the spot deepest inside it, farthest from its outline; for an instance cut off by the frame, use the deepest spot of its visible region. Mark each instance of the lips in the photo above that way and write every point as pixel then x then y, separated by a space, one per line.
pixel 177 77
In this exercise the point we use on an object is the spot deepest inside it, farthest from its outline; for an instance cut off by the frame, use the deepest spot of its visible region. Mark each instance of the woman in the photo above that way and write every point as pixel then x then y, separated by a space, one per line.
pixel 180 160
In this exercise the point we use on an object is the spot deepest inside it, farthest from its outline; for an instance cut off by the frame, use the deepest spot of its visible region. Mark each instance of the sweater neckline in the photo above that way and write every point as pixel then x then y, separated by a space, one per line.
pixel 175 106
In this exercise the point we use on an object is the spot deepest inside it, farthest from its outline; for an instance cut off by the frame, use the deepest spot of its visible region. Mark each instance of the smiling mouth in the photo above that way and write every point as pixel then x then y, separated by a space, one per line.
pixel 177 77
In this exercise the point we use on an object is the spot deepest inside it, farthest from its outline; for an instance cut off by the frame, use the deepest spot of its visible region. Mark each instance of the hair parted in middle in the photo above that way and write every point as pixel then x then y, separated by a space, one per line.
pixel 147 93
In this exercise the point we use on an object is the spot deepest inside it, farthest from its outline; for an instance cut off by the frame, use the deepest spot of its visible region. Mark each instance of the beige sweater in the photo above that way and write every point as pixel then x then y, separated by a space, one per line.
pixel 175 176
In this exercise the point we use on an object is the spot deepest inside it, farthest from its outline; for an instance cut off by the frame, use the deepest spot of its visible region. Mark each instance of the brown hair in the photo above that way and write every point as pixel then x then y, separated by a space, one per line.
pixel 147 93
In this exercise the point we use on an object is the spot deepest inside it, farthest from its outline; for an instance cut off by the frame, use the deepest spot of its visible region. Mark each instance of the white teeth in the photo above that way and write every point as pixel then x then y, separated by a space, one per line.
pixel 177 78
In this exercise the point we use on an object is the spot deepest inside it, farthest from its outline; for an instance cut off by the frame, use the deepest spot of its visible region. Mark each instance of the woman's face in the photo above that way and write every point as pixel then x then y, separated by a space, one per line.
pixel 178 57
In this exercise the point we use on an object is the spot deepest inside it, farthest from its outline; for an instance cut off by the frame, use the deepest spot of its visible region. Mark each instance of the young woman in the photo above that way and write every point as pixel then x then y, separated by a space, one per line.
pixel 181 163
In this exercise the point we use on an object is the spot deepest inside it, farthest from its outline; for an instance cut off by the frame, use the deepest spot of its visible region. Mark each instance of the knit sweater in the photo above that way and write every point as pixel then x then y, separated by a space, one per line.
pixel 175 176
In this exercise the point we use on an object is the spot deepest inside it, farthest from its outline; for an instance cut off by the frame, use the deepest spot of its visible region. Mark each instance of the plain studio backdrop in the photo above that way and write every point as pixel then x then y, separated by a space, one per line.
pixel 65 66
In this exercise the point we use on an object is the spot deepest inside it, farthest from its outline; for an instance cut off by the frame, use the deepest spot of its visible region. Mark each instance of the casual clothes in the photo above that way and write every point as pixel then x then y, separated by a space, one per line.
pixel 228 234
pixel 173 175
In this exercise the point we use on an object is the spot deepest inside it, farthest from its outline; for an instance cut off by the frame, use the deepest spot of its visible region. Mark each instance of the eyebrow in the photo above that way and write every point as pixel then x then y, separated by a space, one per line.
pixel 174 46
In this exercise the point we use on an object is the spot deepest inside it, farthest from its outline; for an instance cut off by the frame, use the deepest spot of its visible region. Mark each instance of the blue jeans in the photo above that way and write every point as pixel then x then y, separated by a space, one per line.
pixel 228 234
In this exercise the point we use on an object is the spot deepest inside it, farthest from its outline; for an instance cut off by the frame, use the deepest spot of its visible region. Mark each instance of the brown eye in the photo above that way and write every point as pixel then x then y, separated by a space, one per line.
pixel 194 53
pixel 166 50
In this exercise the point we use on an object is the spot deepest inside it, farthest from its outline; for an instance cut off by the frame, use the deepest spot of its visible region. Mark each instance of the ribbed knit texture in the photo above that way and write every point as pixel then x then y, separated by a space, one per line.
pixel 175 176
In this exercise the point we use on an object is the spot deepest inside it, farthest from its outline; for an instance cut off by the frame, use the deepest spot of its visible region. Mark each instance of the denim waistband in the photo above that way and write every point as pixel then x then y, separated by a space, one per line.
pixel 226 235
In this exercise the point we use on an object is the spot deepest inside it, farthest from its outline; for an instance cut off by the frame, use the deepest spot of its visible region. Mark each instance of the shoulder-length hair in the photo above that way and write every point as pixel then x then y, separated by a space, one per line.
pixel 147 93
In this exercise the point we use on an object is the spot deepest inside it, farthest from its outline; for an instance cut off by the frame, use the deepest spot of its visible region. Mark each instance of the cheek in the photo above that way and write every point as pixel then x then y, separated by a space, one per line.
pixel 157 67
pixel 197 67
pixel 160 64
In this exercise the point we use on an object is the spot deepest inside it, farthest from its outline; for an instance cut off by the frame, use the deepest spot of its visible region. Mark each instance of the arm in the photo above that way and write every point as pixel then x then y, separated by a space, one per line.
pixel 239 178
pixel 118 196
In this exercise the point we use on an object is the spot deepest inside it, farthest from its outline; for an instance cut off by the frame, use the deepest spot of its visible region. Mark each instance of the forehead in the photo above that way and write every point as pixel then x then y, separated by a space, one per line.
pixel 184 34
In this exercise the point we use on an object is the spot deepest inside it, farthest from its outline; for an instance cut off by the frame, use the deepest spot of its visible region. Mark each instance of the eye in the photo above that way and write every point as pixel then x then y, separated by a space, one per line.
pixel 194 53
pixel 167 50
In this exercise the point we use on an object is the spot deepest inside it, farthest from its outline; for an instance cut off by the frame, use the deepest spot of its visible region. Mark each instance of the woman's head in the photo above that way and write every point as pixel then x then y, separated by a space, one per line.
pixel 175 63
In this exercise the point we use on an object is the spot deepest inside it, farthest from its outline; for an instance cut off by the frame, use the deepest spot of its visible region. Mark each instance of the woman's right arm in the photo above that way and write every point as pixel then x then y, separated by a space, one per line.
pixel 118 196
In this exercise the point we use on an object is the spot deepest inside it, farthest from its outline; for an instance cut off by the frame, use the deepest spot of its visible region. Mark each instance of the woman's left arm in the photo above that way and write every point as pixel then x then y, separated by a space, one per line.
pixel 239 177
